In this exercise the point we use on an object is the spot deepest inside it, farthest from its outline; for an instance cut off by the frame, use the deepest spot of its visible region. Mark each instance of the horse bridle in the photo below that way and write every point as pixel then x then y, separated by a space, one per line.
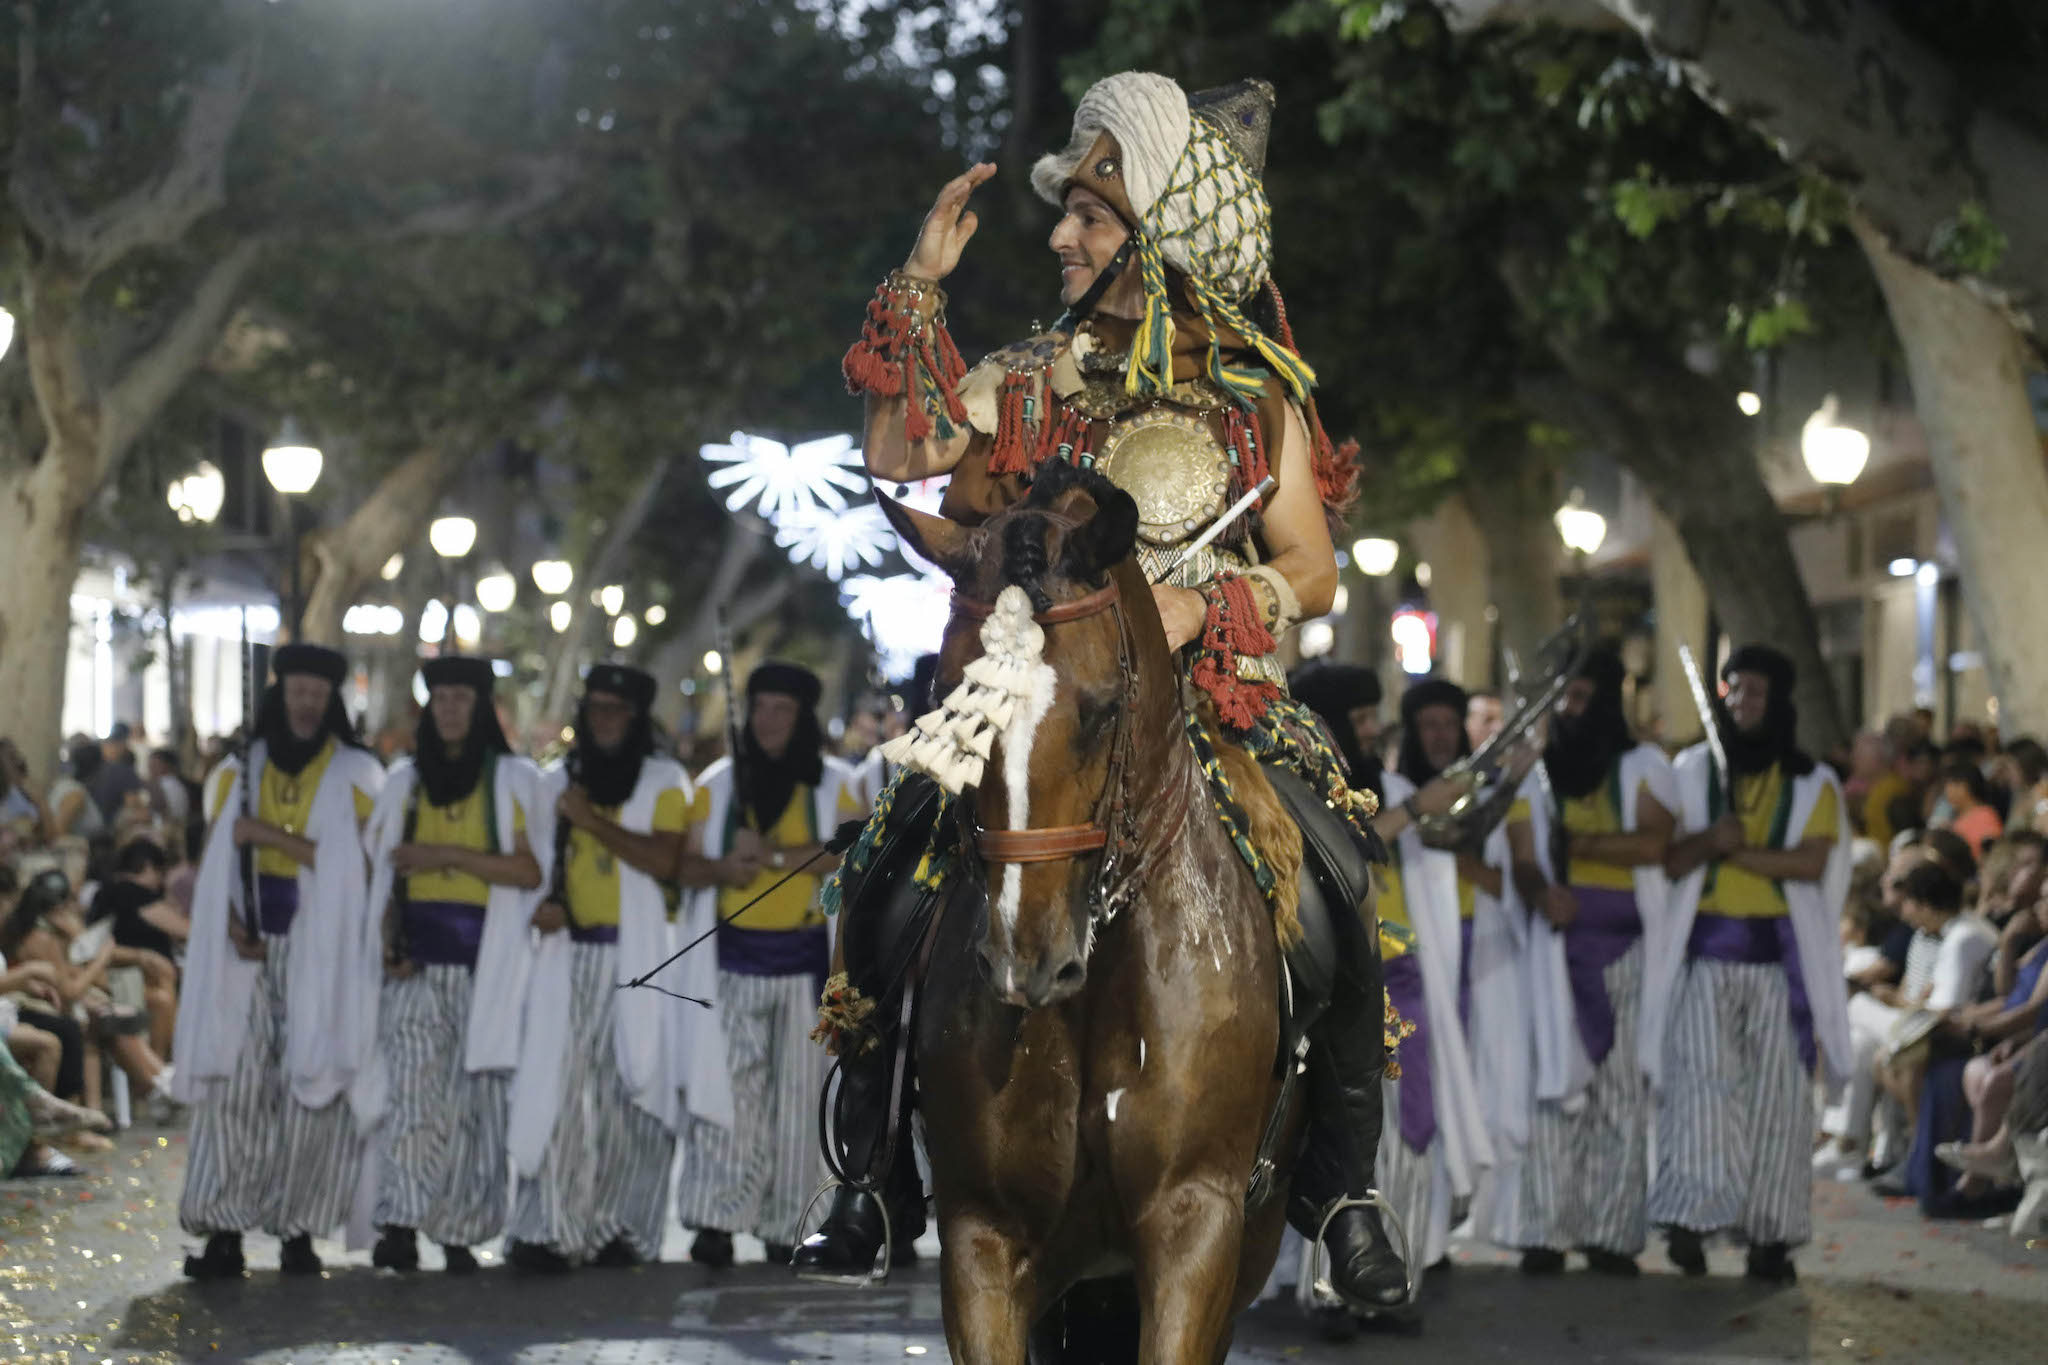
pixel 1113 831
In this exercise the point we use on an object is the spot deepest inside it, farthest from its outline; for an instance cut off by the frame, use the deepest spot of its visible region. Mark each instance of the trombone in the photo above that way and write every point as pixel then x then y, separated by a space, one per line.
pixel 1486 798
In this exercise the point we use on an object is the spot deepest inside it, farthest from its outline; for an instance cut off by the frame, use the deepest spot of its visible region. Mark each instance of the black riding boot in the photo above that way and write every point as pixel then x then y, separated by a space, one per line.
pixel 1347 1053
pixel 850 1238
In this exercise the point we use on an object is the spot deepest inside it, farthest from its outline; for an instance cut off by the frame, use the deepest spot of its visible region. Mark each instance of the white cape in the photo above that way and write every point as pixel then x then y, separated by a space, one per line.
pixel 647 1025
pixel 1816 910
pixel 331 1003
pixel 1562 1068
pixel 1429 882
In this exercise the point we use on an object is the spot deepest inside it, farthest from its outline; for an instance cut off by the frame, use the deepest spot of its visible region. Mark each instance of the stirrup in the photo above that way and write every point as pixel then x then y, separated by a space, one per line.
pixel 876 1277
pixel 1325 1293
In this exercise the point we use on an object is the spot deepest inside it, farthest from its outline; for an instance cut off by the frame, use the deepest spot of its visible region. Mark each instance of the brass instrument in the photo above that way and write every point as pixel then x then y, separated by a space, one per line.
pixel 1486 798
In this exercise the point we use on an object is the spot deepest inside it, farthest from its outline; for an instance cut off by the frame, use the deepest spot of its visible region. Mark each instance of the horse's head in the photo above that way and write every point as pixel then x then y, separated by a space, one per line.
pixel 1051 624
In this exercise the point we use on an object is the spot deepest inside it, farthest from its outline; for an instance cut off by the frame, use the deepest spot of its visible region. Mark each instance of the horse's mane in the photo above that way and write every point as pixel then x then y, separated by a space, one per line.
pixel 1092 546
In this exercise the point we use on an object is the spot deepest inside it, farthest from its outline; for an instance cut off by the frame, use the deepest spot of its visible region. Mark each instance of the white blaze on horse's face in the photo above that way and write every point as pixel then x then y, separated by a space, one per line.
pixel 1018 743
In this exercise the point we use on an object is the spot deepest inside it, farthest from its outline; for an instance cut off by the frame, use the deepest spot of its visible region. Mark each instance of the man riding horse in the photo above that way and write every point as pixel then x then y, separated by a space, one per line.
pixel 1173 373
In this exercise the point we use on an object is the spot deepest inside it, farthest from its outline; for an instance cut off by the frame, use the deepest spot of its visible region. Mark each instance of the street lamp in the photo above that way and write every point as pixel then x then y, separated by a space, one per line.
pixel 656 614
pixel 451 537
pixel 393 567
pixel 293 467
pixel 199 495
pixel 496 591
pixel 624 631
pixel 1579 526
pixel 559 616
pixel 1375 556
pixel 1834 454
pixel 553 576
pixel 613 599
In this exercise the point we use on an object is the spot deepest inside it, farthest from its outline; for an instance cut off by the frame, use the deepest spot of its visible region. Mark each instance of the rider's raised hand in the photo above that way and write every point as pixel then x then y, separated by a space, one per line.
pixel 948 226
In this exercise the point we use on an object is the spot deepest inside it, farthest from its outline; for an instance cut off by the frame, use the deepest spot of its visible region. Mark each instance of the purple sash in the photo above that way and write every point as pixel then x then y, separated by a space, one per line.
pixel 1607 927
pixel 594 933
pixel 277 902
pixel 1465 972
pixel 1756 940
pixel 1418 1096
pixel 444 933
pixel 776 952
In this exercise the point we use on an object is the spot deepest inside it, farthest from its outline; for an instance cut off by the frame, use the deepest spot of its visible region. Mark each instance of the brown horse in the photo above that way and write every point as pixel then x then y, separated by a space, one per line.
pixel 1096 1049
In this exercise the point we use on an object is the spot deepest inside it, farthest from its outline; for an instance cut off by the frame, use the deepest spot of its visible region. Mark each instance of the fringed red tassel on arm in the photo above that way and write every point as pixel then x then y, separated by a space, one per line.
pixel 904 351
pixel 1233 627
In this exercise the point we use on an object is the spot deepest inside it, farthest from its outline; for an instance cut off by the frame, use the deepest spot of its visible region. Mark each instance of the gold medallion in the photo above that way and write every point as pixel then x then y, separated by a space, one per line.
pixel 1173 467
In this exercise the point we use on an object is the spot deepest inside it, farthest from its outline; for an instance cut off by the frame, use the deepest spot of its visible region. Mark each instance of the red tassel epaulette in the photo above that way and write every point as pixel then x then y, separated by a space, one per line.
pixel 901 355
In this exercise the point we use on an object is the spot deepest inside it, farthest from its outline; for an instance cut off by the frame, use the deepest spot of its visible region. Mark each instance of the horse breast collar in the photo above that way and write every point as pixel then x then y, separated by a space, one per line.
pixel 1113 831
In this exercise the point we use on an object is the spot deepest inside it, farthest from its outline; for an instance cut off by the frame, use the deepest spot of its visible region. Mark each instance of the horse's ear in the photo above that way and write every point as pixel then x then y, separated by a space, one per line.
pixel 1106 539
pixel 940 540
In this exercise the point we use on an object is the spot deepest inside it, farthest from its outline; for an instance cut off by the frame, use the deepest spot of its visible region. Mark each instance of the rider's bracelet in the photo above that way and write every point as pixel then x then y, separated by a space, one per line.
pixel 905 352
pixel 1279 607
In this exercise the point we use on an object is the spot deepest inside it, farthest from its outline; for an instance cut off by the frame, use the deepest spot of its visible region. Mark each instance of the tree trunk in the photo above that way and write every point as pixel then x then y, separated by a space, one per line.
pixel 346 558
pixel 1968 365
pixel 41 533
pixel 1512 495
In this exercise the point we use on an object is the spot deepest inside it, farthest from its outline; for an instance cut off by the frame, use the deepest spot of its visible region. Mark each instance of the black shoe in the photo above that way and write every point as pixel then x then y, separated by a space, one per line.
pixel 458 1260
pixel 535 1259
pixel 618 1254
pixel 712 1249
pixel 1685 1249
pixel 222 1259
pixel 398 1249
pixel 1542 1261
pixel 1772 1263
pixel 297 1257
pixel 1602 1262
pixel 1364 1268
pixel 1891 1187
pixel 850 1238
pixel 779 1252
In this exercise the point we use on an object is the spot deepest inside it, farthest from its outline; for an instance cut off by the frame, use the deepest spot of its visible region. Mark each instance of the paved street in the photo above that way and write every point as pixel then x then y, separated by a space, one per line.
pixel 88 1272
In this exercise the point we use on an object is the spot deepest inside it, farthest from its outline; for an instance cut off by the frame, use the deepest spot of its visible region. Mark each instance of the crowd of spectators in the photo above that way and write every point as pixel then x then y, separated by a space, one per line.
pixel 95 882
pixel 1946 938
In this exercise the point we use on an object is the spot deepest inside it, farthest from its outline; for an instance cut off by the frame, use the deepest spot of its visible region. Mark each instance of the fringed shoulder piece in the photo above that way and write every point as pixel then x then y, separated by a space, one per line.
pixel 1012 396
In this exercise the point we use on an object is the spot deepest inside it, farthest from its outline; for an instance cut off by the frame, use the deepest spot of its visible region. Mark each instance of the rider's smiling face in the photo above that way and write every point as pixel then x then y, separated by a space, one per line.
pixel 1085 238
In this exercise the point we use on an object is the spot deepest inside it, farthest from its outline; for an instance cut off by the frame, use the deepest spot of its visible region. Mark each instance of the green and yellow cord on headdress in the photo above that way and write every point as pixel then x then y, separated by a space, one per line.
pixel 1213 221
pixel 1185 172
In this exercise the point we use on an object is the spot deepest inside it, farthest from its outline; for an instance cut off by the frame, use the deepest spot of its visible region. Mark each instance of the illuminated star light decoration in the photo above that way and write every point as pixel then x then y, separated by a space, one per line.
pixel 837 542
pixel 783 482
pixel 904 615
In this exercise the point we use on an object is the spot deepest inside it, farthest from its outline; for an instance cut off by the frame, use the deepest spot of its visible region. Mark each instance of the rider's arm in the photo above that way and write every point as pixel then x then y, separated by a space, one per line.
pixel 1297 534
pixel 892 456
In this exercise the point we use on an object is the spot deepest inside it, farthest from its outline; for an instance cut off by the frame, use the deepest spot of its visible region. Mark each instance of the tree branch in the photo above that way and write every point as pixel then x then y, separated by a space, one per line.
pixel 132 402
pixel 543 178
pixel 162 211
pixel 1840 88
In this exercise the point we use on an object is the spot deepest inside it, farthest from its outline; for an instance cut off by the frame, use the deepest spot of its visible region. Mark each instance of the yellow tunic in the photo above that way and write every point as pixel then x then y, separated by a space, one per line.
pixel 1597 812
pixel 794 905
pixel 1732 891
pixel 591 880
pixel 286 800
pixel 464 824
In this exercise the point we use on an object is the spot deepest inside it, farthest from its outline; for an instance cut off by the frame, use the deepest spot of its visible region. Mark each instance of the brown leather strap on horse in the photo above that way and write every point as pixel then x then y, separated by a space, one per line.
pixel 1101 600
pixel 1048 844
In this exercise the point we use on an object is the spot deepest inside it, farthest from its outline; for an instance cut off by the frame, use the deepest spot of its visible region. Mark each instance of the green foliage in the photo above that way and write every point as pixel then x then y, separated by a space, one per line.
pixel 1969 243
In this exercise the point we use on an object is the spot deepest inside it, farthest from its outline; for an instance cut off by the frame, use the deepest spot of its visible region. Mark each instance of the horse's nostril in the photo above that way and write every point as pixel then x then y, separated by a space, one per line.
pixel 1071 974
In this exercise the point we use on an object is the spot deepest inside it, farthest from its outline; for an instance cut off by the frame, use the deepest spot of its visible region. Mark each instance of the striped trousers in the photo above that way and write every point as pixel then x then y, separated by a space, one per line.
pixel 1735 1126
pixel 756 1176
pixel 442 1166
pixel 605 1173
pixel 1585 1174
pixel 258 1158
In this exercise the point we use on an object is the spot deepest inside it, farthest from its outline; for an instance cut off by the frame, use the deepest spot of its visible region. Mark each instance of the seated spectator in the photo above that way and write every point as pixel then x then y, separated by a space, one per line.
pixel 29 1115
pixel 42 926
pixel 2011 880
pixel 21 810
pixel 115 776
pixel 1968 794
pixel 144 919
pixel 2005 1024
pixel 69 810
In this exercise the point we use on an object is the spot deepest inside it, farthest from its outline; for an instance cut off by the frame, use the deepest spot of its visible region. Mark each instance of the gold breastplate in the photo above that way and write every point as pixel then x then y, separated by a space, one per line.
pixel 1172 465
